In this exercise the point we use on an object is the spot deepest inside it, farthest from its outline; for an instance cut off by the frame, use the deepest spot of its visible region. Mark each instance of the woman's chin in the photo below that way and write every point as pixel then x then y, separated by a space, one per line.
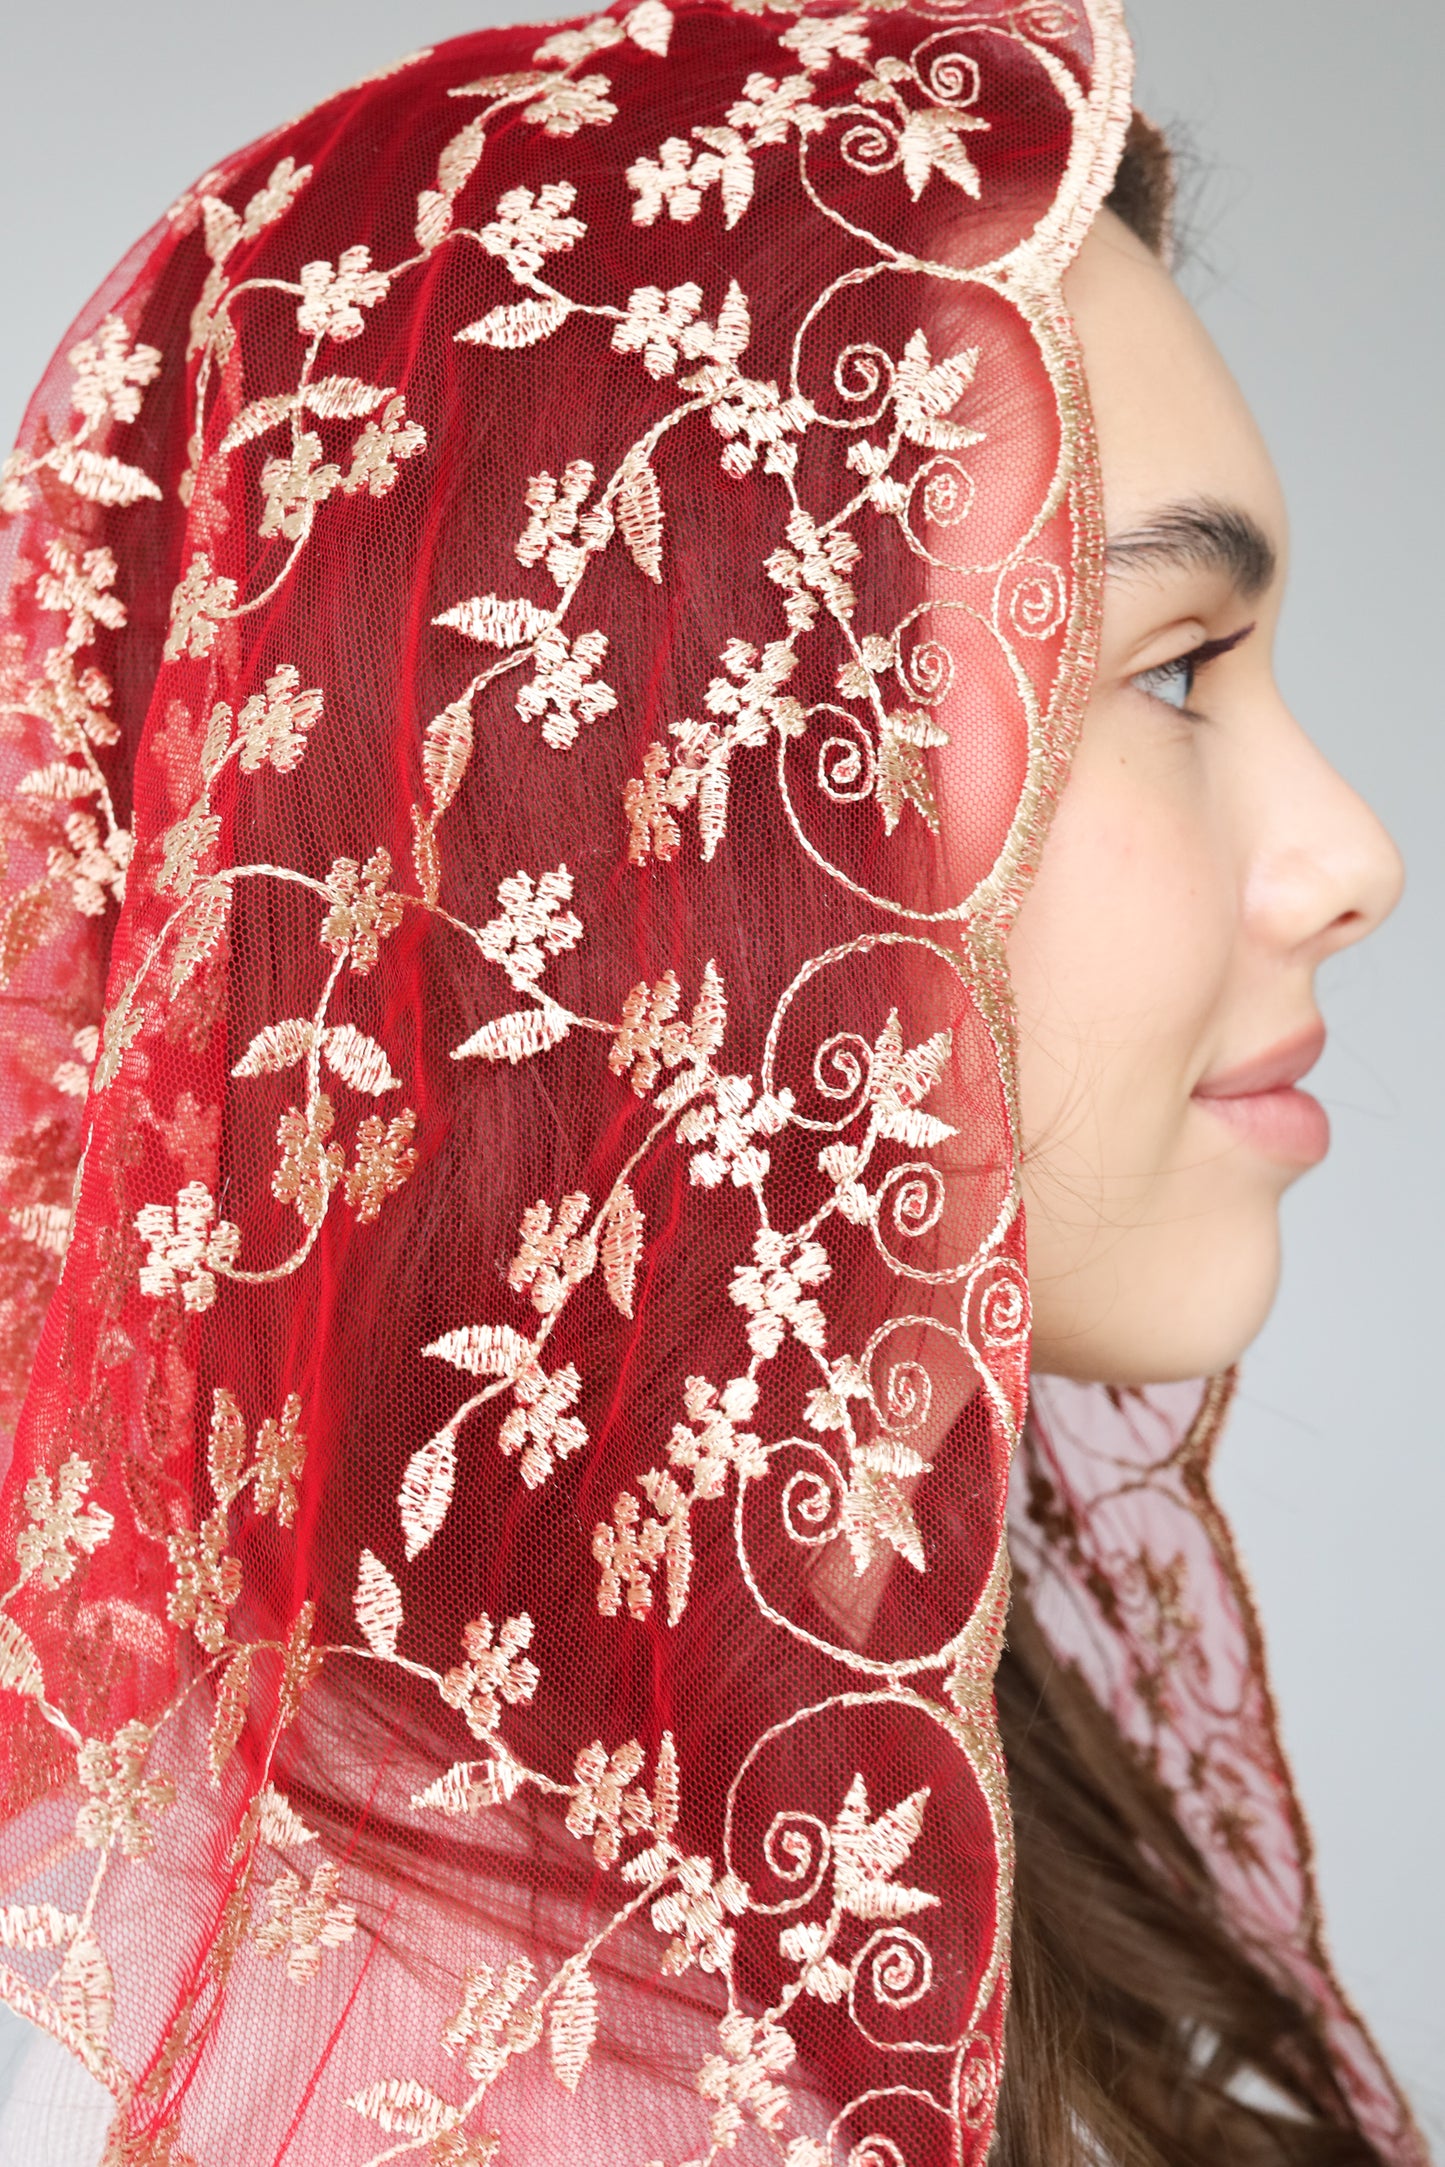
pixel 1166 1309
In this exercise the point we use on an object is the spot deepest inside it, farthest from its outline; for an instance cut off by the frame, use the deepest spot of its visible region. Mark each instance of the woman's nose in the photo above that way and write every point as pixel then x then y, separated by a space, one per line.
pixel 1330 872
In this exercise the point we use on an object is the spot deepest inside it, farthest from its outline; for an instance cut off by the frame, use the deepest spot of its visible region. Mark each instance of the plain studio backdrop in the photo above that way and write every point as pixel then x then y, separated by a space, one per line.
pixel 1313 191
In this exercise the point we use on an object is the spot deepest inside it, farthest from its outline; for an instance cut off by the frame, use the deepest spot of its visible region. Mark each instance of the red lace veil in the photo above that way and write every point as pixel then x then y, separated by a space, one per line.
pixel 545 612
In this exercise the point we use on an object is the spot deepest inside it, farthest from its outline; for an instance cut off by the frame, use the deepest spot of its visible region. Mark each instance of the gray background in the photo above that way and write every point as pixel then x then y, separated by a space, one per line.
pixel 1317 266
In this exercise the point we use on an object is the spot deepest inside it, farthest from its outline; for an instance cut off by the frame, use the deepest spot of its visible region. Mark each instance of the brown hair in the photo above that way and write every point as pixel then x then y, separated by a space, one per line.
pixel 1140 2031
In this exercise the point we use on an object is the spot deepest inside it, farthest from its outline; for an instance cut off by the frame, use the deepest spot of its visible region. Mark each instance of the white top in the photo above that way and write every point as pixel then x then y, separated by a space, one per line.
pixel 53 2112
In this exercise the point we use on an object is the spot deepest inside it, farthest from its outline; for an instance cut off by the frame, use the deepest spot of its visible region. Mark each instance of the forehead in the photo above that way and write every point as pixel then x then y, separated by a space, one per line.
pixel 1172 423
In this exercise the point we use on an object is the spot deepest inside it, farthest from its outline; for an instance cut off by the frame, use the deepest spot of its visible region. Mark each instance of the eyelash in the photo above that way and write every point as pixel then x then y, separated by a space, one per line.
pixel 1185 669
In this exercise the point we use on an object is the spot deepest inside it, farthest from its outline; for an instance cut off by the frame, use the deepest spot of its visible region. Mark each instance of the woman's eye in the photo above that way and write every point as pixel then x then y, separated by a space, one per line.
pixel 1171 682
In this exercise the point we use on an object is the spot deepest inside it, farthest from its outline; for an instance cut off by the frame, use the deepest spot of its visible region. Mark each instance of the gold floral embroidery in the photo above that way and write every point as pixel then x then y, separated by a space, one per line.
pixel 61 1529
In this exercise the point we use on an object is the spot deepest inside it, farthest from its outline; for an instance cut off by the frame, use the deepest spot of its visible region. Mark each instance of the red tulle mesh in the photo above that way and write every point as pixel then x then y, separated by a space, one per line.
pixel 546 608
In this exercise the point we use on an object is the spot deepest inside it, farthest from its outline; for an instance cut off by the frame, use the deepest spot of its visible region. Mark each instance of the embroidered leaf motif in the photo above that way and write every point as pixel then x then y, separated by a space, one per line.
pixel 900 1080
pixel 517 323
pixel 405 2108
pixel 459 158
pixel 277 1046
pixel 19 1664
pixel 494 622
pixel 622 1247
pixel 867 1854
pixel 649 25
pixel 84 1990
pixel 425 855
pixel 301 1922
pixel 446 750
pixel 924 390
pixel 876 1506
pixel 358 1060
pixel 486 1350
pixel 377 1604
pixel 516 1037
pixel 36 1926
pixel 61 780
pixel 277 1821
pixel 24 921
pixel 101 480
pixel 639 515
pixel 930 142
pixel 257 418
pixel 201 932
pixel 471 1786
pixel 232 1699
pixel 426 1490
pixel 571 2028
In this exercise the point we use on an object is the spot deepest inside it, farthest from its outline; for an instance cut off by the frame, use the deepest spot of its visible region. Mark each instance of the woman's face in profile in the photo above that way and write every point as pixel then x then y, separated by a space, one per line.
pixel 1204 861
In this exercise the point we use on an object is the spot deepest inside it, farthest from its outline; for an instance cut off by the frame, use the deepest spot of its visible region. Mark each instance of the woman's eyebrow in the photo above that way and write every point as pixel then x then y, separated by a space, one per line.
pixel 1202 535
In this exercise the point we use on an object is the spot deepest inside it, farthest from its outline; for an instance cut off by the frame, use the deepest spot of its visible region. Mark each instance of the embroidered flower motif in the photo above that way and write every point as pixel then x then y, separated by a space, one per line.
pixel 294 486
pixel 197 606
pixel 385 1156
pixel 768 108
pixel 818 41
pixel 813 571
pixel 570 103
pixel 273 724
pixel 310 1167
pixel 552 1259
pixel 188 1246
pixel 771 1291
pixel 74 703
pixel 539 1426
pixel 15 491
pixel 626 1553
pixel 716 1442
pixel 679 177
pixel 184 849
pixel 94 865
pixel 664 328
pixel 728 1125
pixel 752 416
pixel 695 1915
pixel 560 695
pixel 121 1794
pixel 603 1805
pixel 532 925
pixel 820 1974
pixel 496 1671
pixel 362 912
pixel 489 2027
pixel 556 508
pixel 530 227
pixel 110 373
pixel 381 446
pixel 301 1922
pixel 280 1456
pixel 334 297
pixel 78 588
pixel 207 1581
pixel 60 1532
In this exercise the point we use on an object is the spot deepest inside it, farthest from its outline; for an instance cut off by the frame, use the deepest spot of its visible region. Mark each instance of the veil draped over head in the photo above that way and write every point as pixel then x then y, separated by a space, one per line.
pixel 545 610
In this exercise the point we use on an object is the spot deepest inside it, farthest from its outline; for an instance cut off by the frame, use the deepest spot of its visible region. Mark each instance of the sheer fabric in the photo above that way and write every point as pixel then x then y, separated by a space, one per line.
pixel 545 611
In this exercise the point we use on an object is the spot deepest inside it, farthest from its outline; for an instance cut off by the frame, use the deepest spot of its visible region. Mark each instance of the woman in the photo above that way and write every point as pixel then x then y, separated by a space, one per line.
pixel 550 982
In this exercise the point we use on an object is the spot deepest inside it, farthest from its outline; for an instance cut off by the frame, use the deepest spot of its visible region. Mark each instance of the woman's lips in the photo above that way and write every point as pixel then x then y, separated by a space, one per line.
pixel 1260 1101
